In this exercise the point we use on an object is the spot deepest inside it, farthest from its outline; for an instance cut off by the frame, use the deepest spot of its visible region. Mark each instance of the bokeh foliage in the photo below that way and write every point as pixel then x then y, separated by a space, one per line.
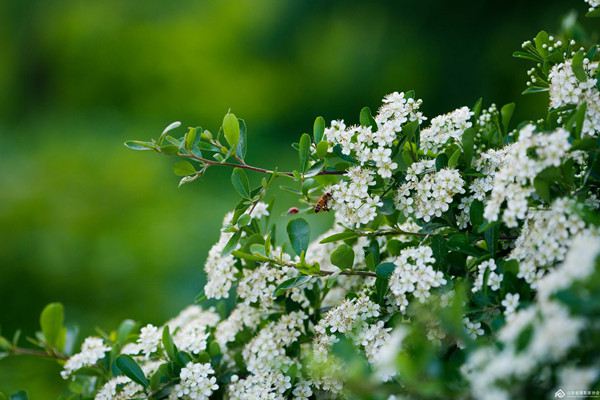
pixel 81 219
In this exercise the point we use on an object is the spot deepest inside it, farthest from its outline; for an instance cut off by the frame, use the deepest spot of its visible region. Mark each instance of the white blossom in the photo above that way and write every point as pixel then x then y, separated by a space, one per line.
pixel 428 193
pixel 93 350
pixel 196 382
pixel 446 128
pixel 414 274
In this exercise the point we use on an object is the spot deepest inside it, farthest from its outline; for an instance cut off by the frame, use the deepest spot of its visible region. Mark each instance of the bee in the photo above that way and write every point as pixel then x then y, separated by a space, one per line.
pixel 323 202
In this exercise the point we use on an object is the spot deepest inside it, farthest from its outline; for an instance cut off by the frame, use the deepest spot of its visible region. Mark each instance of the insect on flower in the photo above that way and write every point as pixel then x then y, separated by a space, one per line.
pixel 323 202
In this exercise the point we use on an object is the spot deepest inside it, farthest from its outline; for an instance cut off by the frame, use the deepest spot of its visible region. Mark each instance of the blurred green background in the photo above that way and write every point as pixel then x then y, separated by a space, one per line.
pixel 105 230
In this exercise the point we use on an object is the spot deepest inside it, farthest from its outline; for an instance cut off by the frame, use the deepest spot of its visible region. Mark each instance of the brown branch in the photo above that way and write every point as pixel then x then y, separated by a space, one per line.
pixel 348 273
pixel 250 167
pixel 22 351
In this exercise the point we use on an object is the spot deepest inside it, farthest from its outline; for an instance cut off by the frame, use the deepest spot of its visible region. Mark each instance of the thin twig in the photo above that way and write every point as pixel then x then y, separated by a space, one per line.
pixel 22 351
pixel 250 167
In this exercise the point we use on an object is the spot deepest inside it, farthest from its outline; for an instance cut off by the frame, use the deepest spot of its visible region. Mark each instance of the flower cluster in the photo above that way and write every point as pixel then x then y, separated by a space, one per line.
pixel 197 382
pixel 513 182
pixel 93 350
pixel 554 331
pixel 352 202
pixel 566 89
pixel 445 129
pixel 545 238
pixel 494 279
pixel 414 274
pixel 428 193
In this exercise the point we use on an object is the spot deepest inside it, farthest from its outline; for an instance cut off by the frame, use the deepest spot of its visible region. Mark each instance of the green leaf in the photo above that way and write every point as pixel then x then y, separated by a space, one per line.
pixel 249 257
pixel 231 129
pixel 506 112
pixel 343 256
pixel 542 188
pixel 168 344
pixel 20 395
pixel 242 145
pixel 51 322
pixel 303 151
pixel 595 13
pixel 385 270
pixel 291 283
pixel 318 129
pixel 190 138
pixel 299 233
pixel 124 330
pixel 240 182
pixel 454 158
pixel 322 149
pixel 131 369
pixel 577 66
pixel 441 161
pixel 541 39
pixel 339 236
pixel 468 142
pixel 476 213
pixel 366 119
pixel 139 145
pixel 183 168
pixel 527 56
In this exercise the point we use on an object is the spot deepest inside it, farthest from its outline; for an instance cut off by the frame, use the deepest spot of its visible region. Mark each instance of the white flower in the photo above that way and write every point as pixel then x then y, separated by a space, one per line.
pixel 510 303
pixel 149 339
pixel 545 238
pixel 414 274
pixel 566 89
pixel 513 182
pixel 220 269
pixel 428 193
pixel 196 382
pixel 493 279
pixel 446 128
pixel 473 328
pixel 93 350
pixel 259 210
pixel 120 388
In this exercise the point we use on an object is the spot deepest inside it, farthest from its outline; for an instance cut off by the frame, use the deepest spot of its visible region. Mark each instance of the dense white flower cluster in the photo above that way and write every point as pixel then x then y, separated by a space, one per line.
pixel 398 109
pixel 270 385
pixel 120 388
pixel 196 382
pixel 513 182
pixel 267 350
pixel 545 238
pixel 414 274
pixel 352 202
pixel 220 269
pixel 567 90
pixel 428 193
pixel 494 279
pixel 256 286
pixel 93 350
pixel 149 339
pixel 487 164
pixel 243 316
pixel 351 199
pixel 553 330
pixel 446 129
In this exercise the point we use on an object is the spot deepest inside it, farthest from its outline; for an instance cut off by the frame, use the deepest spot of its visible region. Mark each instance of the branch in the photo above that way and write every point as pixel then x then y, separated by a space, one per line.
pixel 22 351
pixel 250 167
pixel 349 273
pixel 390 232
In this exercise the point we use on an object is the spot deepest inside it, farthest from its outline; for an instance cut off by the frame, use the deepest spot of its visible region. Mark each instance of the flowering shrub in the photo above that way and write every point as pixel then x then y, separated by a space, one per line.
pixel 463 261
